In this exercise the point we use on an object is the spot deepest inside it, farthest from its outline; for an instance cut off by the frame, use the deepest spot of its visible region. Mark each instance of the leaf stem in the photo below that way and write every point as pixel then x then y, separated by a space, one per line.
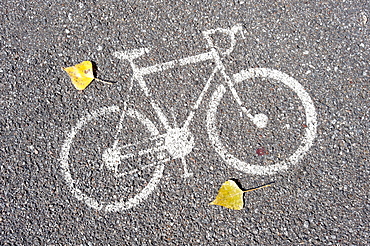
pixel 104 81
pixel 260 187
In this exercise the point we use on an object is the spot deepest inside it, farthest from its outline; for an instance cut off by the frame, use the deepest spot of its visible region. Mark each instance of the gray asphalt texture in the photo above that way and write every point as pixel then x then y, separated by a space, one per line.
pixel 324 200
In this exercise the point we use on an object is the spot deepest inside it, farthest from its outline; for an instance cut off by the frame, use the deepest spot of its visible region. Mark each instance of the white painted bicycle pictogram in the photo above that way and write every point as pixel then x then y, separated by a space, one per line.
pixel 178 142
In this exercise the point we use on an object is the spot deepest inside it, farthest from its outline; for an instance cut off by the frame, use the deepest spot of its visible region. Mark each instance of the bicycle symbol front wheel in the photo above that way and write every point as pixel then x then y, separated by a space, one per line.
pixel 99 183
pixel 242 145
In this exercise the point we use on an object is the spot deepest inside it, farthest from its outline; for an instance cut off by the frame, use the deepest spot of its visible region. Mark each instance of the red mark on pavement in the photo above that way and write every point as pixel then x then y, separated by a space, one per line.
pixel 261 151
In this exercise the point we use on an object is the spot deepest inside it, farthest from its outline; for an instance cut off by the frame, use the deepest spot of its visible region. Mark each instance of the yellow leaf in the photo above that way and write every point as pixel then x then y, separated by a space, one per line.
pixel 231 196
pixel 81 74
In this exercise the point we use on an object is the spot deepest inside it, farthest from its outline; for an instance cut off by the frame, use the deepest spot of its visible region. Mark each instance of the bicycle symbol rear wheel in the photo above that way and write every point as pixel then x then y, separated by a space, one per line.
pixel 258 160
pixel 90 179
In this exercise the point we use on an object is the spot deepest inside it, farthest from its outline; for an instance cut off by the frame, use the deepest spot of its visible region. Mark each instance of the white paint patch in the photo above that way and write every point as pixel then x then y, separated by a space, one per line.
pixel 364 18
pixel 179 142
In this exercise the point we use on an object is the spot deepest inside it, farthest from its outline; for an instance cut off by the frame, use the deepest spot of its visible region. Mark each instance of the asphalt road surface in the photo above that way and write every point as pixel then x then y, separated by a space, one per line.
pixel 106 166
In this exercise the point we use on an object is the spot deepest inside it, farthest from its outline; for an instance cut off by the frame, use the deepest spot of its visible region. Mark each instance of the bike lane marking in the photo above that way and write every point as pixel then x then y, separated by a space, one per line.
pixel 180 149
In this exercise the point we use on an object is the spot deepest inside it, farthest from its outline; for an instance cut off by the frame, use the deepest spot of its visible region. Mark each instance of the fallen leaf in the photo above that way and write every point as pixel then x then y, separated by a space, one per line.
pixel 81 74
pixel 231 196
